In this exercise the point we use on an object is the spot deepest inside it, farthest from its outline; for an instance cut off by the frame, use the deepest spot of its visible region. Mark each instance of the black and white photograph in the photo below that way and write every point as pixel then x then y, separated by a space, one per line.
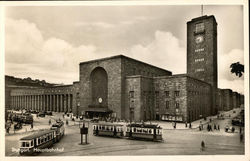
pixel 125 79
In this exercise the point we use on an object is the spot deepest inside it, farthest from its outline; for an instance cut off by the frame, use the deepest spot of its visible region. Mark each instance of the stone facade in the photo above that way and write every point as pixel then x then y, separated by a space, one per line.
pixel 117 69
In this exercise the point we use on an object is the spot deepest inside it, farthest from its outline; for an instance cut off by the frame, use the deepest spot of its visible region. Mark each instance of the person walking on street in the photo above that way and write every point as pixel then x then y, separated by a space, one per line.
pixel 218 127
pixel 186 124
pixel 202 145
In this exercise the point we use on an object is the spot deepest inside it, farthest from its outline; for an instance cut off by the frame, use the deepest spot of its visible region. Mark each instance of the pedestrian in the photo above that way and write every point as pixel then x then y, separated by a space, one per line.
pixel 8 129
pixel 208 127
pixel 233 129
pixel 31 126
pixel 190 125
pixel 215 127
pixel 210 120
pixel 201 126
pixel 186 124
pixel 240 130
pixel 218 127
pixel 241 137
pixel 202 145
pixel 49 121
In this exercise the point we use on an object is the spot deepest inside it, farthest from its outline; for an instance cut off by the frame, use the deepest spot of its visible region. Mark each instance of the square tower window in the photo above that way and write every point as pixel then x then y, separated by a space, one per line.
pixel 199 27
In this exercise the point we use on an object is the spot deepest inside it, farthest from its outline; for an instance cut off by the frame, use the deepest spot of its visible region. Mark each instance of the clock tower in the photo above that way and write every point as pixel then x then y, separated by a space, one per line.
pixel 202 51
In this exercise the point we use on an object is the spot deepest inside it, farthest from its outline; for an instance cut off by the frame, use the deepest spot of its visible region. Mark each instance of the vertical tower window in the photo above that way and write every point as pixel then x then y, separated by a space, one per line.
pixel 177 105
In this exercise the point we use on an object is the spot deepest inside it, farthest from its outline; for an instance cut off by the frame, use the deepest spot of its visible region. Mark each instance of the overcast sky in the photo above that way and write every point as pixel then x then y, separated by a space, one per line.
pixel 48 43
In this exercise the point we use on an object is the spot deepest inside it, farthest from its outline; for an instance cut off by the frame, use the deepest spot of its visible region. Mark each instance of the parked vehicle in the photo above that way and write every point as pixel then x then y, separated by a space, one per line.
pixel 41 114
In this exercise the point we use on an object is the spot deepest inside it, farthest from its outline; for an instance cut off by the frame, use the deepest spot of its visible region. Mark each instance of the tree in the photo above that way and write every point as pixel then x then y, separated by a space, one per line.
pixel 237 69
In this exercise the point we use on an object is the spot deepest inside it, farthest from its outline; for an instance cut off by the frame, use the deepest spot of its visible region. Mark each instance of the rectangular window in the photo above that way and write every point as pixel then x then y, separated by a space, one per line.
pixel 199 60
pixel 198 50
pixel 167 104
pixel 177 105
pixel 199 70
pixel 167 94
pixel 131 94
pixel 177 93
pixel 199 27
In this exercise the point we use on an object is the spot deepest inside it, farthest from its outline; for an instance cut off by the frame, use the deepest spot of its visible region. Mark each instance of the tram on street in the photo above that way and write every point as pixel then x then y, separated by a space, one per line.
pixel 108 129
pixel 59 128
pixel 144 131
pixel 41 140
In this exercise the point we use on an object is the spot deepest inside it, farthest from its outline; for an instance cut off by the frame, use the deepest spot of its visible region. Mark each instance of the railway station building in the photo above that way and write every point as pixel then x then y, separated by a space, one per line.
pixel 128 89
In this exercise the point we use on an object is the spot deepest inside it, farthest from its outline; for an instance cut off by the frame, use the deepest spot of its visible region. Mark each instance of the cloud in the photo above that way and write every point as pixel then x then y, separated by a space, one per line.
pixel 226 78
pixel 95 24
pixel 163 51
pixel 29 54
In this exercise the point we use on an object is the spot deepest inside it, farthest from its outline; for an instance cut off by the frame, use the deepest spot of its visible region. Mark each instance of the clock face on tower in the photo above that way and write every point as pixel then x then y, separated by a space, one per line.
pixel 199 39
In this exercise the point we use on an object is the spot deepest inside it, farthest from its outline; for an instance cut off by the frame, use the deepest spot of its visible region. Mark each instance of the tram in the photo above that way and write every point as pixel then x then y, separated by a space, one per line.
pixel 33 143
pixel 59 128
pixel 144 131
pixel 42 139
pixel 108 129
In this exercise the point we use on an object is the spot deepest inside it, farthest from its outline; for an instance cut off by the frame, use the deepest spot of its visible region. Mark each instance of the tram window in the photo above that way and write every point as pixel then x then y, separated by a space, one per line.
pixel 31 144
pixel 94 127
pixel 39 141
pixel 150 131
pixel 27 144
pixel 111 128
pixel 103 128
pixel 134 129
pixel 100 127
pixel 23 144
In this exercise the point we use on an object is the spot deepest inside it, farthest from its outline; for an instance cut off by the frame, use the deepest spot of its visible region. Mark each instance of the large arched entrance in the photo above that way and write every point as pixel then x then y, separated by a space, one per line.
pixel 99 93
pixel 99 87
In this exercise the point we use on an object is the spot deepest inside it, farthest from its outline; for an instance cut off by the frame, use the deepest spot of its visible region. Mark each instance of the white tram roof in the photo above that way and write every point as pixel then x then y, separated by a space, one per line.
pixel 36 135
pixel 108 124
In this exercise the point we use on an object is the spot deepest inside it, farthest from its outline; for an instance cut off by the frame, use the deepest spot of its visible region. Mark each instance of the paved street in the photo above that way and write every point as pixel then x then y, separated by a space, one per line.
pixel 180 141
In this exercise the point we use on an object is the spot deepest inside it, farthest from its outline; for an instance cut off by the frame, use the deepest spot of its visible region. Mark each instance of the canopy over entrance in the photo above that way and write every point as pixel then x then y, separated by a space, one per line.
pixel 97 111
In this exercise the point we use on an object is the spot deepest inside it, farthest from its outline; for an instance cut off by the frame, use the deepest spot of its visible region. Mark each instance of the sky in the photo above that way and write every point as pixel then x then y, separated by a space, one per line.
pixel 49 42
